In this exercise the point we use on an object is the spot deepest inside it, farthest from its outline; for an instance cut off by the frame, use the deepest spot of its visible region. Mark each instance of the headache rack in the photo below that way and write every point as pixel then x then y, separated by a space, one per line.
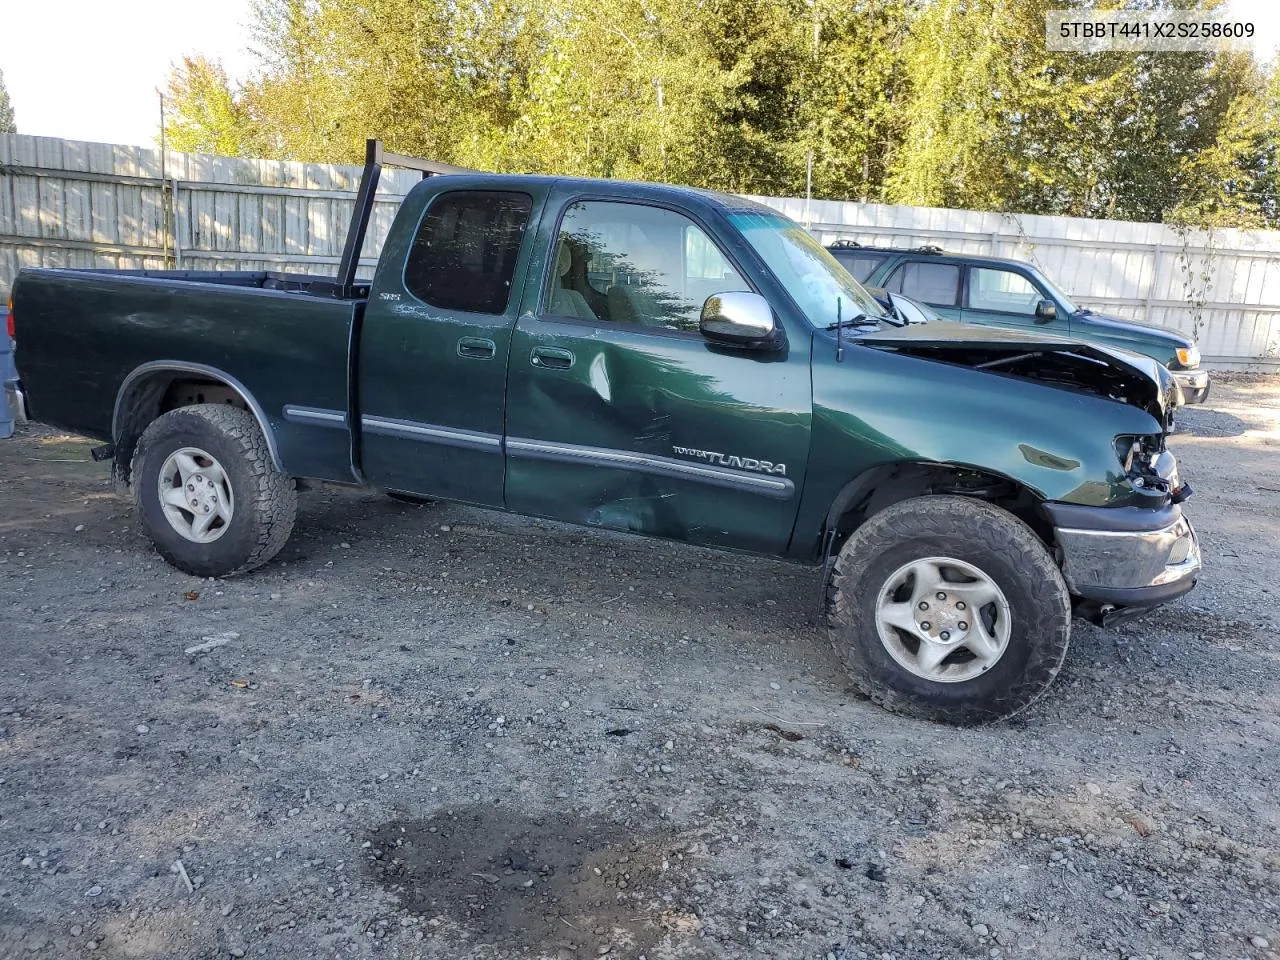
pixel 375 158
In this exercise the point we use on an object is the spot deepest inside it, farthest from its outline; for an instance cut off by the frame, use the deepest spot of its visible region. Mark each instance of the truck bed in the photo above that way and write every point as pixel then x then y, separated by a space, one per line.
pixel 304 283
pixel 84 333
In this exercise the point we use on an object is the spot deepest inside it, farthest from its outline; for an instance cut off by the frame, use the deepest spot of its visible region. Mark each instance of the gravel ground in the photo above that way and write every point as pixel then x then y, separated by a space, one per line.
pixel 443 732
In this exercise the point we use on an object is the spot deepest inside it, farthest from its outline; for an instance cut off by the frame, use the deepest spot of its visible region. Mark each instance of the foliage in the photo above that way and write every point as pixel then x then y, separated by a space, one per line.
pixel 203 114
pixel 7 124
pixel 935 102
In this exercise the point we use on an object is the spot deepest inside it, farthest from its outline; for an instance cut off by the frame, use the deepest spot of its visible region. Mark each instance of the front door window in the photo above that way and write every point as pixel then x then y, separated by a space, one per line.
pixel 1002 291
pixel 637 266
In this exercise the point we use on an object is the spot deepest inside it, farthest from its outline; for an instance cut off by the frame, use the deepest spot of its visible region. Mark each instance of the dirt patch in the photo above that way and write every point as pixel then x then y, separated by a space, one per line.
pixel 577 884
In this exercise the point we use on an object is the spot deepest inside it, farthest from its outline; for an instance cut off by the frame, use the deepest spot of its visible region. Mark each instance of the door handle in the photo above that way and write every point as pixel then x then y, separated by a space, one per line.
pixel 477 348
pixel 553 358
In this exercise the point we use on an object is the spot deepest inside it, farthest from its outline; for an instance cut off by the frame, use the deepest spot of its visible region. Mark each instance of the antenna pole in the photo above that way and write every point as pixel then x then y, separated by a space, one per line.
pixel 839 330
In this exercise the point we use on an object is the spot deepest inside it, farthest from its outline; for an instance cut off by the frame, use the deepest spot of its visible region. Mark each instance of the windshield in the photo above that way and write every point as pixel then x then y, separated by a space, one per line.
pixel 1053 291
pixel 811 275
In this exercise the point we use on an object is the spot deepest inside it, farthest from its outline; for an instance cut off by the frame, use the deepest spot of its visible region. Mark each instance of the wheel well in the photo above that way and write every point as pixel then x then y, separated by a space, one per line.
pixel 883 486
pixel 157 393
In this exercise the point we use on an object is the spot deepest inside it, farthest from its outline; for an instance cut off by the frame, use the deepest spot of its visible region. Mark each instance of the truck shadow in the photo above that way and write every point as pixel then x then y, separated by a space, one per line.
pixel 517 563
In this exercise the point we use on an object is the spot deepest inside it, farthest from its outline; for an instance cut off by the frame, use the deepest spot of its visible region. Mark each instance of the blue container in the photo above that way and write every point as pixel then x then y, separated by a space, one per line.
pixel 7 373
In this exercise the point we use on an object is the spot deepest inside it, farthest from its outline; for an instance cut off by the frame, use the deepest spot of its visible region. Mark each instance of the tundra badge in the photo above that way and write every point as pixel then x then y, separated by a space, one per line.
pixel 741 463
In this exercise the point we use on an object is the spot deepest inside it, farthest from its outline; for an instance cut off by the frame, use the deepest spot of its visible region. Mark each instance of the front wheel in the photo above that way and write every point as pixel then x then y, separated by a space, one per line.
pixel 950 609
pixel 208 495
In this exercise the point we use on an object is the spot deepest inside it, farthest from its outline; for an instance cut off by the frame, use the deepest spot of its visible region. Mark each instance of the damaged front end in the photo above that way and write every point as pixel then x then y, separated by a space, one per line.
pixel 1117 560
pixel 1150 468
pixel 1119 375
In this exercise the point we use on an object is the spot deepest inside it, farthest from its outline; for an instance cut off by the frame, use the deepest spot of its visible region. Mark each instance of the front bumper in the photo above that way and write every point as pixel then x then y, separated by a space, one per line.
pixel 1194 384
pixel 1126 556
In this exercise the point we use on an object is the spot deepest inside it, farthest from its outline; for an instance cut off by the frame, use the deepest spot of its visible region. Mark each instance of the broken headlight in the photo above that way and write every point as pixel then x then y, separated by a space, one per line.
pixel 1147 464
pixel 1127 448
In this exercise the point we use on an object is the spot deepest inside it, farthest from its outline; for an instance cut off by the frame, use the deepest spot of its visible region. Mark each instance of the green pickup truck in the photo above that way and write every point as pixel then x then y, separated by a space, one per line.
pixel 653 359
pixel 993 291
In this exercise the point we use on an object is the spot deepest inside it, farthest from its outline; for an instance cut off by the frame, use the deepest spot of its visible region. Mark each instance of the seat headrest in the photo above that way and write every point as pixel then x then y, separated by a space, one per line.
pixel 564 259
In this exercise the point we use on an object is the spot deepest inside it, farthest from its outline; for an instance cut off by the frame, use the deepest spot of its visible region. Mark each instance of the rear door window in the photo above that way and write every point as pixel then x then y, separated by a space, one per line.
pixel 937 284
pixel 464 255
pixel 861 265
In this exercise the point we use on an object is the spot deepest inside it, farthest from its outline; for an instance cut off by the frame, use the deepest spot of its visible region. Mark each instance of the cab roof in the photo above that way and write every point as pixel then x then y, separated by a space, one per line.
pixel 692 197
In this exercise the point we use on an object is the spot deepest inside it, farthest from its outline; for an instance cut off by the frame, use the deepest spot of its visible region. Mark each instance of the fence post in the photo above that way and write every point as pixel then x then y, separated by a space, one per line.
pixel 1156 265
pixel 173 219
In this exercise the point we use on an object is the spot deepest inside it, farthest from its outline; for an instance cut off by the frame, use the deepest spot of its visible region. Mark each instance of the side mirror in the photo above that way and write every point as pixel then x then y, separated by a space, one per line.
pixel 740 319
pixel 1046 310
pixel 907 310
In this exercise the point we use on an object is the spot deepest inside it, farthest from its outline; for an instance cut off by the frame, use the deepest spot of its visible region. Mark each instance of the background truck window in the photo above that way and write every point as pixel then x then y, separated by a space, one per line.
pixel 861 265
pixel 933 283
pixel 637 265
pixel 1002 290
pixel 464 255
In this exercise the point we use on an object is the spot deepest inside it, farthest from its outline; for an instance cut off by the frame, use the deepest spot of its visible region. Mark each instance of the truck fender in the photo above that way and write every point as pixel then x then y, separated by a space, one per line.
pixel 849 494
pixel 915 478
pixel 138 399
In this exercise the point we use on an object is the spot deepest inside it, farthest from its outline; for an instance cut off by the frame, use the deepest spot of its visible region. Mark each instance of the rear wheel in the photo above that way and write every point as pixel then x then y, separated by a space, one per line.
pixel 208 495
pixel 950 609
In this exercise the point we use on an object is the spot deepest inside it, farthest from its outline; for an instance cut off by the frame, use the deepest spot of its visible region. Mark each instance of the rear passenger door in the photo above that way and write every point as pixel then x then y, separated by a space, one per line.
pixel 860 263
pixel 930 281
pixel 434 345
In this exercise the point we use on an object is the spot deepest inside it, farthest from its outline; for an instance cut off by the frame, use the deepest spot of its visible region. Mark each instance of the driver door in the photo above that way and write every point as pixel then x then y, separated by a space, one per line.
pixel 619 413
pixel 1005 298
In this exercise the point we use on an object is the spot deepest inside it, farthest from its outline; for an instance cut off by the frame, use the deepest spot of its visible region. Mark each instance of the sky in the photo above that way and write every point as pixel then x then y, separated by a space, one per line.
pixel 97 77
pixel 89 69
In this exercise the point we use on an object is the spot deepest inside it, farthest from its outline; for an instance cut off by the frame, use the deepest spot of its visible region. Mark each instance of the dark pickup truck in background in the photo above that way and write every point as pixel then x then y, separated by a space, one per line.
pixel 652 359
pixel 993 291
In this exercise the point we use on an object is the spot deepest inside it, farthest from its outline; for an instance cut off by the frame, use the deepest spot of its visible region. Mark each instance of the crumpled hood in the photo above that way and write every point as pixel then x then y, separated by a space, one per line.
pixel 1119 375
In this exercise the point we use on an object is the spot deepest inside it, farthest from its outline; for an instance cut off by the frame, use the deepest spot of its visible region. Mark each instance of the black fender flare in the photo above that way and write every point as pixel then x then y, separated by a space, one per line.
pixel 141 373
pixel 867 481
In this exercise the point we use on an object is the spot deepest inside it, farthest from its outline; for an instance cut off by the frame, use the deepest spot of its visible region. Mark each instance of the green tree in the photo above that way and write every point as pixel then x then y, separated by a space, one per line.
pixel 427 77
pixel 936 102
pixel 7 124
pixel 620 91
pixel 1228 179
pixel 1265 162
pixel 753 131
pixel 996 122
pixel 204 114
pixel 985 105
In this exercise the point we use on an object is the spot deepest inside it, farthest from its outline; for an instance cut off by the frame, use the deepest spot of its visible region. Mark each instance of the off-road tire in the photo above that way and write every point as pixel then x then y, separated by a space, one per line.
pixel 996 542
pixel 266 502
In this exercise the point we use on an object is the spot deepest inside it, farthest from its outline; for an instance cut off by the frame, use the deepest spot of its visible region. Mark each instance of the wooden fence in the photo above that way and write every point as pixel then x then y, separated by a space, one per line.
pixel 69 203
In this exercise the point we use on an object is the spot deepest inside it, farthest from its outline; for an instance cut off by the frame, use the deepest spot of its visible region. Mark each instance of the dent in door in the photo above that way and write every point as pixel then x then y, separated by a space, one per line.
pixel 643 417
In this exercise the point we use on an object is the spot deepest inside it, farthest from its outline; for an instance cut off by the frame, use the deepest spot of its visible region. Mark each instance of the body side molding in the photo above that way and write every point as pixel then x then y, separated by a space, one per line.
pixel 778 488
